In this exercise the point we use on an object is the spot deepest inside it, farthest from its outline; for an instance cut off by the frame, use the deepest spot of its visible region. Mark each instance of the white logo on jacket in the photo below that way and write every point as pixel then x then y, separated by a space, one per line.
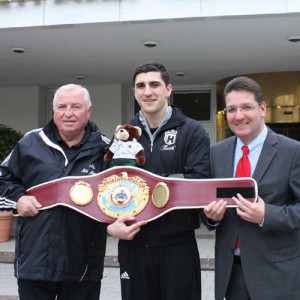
pixel 90 170
pixel 125 275
pixel 170 140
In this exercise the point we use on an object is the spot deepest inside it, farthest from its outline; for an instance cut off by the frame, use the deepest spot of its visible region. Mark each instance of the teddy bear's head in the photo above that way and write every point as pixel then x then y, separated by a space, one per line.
pixel 127 133
pixel 125 150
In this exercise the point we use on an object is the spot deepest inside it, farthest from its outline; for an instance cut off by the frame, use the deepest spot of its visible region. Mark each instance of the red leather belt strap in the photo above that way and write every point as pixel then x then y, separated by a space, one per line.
pixel 130 190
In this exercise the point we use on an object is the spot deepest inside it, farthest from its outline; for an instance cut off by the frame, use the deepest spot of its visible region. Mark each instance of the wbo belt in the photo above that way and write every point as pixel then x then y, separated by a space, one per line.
pixel 107 195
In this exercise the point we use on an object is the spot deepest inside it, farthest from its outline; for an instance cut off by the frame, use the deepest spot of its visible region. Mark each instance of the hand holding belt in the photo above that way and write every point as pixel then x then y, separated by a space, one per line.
pixel 129 190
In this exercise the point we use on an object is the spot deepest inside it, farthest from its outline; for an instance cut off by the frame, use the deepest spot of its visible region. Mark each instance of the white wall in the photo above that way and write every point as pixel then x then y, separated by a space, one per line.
pixel 19 107
pixel 107 106
pixel 26 13
pixel 23 109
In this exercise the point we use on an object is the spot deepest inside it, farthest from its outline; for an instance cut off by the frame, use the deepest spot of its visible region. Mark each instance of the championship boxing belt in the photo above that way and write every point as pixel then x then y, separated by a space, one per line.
pixel 129 190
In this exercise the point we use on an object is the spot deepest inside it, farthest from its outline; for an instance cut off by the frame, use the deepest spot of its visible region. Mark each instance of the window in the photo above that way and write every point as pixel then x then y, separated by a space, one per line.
pixel 194 104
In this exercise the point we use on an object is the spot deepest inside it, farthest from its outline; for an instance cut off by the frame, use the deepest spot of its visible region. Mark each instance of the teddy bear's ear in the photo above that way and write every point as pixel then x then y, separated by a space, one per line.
pixel 139 130
pixel 118 127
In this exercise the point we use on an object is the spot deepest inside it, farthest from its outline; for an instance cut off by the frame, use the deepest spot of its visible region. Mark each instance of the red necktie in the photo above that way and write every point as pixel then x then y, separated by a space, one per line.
pixel 243 170
pixel 243 167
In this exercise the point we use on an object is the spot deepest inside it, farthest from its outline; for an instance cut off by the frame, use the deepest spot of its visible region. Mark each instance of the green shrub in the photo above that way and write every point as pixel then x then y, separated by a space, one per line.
pixel 8 139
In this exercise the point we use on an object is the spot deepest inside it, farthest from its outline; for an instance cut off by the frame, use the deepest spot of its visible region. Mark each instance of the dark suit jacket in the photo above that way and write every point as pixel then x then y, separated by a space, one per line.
pixel 270 254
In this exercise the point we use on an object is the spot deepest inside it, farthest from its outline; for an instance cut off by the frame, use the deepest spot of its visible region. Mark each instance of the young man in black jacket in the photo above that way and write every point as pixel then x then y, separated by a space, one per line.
pixel 59 252
pixel 162 262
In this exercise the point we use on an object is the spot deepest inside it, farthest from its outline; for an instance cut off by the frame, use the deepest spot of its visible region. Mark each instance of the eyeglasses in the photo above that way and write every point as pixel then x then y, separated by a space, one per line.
pixel 243 109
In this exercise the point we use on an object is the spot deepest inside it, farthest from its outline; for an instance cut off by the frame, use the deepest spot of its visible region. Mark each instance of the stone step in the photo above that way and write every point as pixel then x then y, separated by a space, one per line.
pixel 207 264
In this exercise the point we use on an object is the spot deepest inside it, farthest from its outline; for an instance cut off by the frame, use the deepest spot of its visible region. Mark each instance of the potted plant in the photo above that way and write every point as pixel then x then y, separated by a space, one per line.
pixel 6 222
pixel 8 139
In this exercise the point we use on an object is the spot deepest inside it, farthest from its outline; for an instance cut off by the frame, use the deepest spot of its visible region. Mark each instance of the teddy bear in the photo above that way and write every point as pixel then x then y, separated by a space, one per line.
pixel 125 149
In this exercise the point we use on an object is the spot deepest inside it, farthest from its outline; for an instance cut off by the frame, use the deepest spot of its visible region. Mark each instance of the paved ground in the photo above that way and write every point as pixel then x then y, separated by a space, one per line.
pixel 110 284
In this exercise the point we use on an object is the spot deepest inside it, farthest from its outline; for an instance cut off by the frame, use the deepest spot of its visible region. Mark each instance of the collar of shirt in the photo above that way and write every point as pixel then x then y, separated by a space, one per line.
pixel 85 137
pixel 71 152
pixel 255 148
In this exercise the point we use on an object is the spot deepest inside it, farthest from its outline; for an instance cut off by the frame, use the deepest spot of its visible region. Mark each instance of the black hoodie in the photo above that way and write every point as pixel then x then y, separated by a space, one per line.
pixel 181 147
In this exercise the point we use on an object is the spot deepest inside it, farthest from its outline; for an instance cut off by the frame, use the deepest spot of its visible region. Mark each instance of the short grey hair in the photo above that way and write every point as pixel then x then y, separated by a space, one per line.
pixel 70 87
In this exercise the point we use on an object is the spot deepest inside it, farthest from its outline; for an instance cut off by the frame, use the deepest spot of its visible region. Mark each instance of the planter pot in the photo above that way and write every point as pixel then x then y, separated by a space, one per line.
pixel 6 222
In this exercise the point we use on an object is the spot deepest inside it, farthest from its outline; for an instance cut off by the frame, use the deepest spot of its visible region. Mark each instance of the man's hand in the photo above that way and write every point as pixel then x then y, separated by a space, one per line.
pixel 27 206
pixel 215 210
pixel 119 229
pixel 248 211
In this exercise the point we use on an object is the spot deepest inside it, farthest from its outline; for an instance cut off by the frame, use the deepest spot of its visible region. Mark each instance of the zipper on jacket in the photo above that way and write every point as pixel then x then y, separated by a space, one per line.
pixel 86 268
pixel 151 148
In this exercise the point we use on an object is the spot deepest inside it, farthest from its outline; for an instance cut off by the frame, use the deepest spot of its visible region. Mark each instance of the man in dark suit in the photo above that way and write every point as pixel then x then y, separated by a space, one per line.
pixel 266 264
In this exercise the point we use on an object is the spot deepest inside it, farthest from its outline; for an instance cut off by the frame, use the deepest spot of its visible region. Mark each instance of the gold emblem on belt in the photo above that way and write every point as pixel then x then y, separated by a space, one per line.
pixel 119 195
pixel 81 193
pixel 160 195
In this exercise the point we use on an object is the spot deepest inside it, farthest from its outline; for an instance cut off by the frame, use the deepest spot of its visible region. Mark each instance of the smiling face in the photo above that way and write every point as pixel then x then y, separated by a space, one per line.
pixel 152 94
pixel 71 113
pixel 245 116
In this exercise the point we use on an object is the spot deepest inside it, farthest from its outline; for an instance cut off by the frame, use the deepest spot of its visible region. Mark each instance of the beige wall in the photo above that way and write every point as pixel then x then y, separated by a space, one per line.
pixel 281 91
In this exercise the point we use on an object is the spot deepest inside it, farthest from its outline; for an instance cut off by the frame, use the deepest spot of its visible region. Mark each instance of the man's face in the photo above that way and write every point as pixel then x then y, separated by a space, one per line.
pixel 151 92
pixel 71 113
pixel 244 115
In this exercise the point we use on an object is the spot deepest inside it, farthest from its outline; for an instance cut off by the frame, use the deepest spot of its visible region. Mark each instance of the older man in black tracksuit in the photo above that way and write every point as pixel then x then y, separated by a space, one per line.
pixel 162 261
pixel 59 252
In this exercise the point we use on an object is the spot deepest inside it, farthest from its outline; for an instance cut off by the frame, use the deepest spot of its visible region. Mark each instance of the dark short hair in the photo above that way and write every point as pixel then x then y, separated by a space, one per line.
pixel 244 83
pixel 152 67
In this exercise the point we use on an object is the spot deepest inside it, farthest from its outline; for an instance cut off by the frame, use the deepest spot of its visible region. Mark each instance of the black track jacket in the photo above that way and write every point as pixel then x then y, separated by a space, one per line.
pixel 58 244
pixel 181 147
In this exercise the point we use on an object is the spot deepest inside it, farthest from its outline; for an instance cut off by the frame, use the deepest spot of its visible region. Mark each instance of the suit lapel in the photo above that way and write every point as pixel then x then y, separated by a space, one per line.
pixel 266 156
pixel 229 155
